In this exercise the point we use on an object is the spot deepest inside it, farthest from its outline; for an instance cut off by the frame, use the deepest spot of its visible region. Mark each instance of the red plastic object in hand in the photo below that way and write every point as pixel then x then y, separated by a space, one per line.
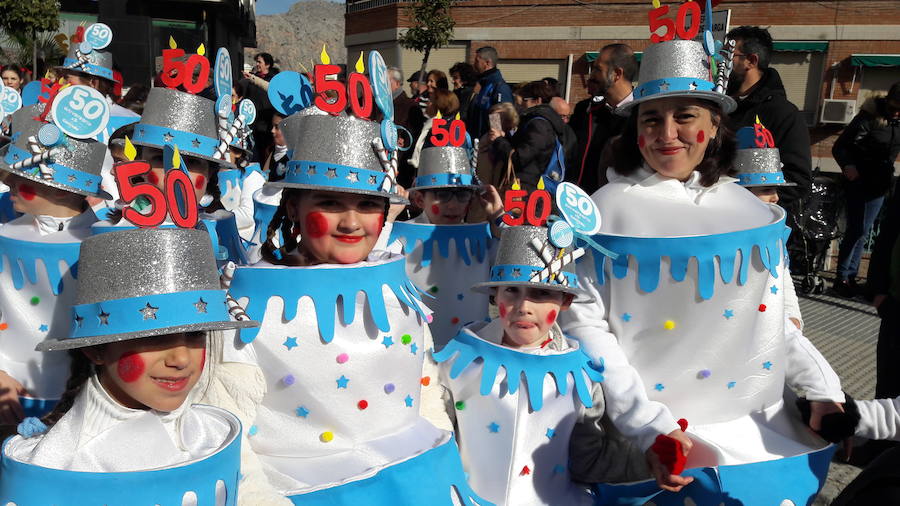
pixel 668 449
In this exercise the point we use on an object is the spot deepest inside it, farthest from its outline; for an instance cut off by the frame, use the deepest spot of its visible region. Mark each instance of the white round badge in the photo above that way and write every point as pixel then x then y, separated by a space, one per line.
pixel 80 111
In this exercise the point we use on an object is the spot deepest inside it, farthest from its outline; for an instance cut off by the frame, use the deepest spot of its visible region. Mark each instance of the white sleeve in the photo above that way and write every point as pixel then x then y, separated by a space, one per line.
pixel 807 369
pixel 879 419
pixel 627 405
pixel 243 213
pixel 791 303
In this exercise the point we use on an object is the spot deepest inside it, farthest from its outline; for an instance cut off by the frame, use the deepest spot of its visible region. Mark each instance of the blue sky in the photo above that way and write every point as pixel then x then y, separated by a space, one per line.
pixel 266 7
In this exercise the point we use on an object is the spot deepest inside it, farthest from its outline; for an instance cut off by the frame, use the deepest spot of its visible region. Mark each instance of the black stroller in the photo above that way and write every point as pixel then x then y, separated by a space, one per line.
pixel 814 229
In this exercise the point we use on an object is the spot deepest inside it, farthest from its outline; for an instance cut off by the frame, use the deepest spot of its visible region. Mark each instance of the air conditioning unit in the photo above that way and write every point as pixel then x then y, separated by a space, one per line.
pixel 838 111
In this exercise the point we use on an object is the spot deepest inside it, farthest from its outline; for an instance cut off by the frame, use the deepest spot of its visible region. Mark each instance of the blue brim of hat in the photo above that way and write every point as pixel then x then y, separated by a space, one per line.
pixel 726 103
pixel 197 146
pixel 89 69
pixel 307 175
pixel 88 190
pixel 518 275
pixel 446 180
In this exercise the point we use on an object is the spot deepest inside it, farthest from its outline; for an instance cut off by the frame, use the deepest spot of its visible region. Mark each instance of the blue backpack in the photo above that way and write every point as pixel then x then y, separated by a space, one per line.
pixel 555 172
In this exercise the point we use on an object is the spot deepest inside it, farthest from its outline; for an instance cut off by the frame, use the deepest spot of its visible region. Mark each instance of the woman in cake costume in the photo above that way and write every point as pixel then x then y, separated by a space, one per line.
pixel 444 255
pixel 513 429
pixel 343 340
pixel 689 318
pixel 50 173
pixel 149 303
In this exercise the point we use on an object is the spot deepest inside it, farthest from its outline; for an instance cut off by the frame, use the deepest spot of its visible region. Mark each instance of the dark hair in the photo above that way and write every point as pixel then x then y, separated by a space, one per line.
pixel 621 56
pixel 754 40
pixel 15 69
pixel 444 101
pixel 266 58
pixel 537 89
pixel 894 92
pixel 80 372
pixel 554 84
pixel 466 72
pixel 136 97
pixel 717 161
pixel 488 53
pixel 440 79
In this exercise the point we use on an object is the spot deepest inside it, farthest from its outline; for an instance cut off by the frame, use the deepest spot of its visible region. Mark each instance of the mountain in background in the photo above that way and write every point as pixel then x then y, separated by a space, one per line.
pixel 297 35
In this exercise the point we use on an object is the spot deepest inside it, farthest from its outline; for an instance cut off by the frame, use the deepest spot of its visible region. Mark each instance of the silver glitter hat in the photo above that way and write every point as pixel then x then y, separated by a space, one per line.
pixel 143 283
pixel 445 167
pixel 175 118
pixel 526 257
pixel 676 68
pixel 335 153
pixel 95 62
pixel 72 165
pixel 757 166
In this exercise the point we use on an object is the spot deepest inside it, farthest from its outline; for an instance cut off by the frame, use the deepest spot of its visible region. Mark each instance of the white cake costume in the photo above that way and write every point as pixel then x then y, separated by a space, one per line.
pixel 101 452
pixel 514 428
pixel 689 320
pixel 343 348
pixel 463 253
pixel 39 253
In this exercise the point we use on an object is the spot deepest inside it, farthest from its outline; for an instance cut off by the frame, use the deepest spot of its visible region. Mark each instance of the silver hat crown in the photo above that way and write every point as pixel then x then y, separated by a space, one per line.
pixel 444 167
pixel 96 63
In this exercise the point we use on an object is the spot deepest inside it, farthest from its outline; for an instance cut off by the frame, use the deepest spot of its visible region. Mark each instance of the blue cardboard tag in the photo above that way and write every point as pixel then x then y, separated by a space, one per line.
pixel 381 84
pixel 290 92
pixel 98 35
pixel 578 209
pixel 80 111
pixel 222 81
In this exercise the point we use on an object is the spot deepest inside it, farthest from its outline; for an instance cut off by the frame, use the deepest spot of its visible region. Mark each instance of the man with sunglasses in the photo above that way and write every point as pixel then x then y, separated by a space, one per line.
pixel 760 94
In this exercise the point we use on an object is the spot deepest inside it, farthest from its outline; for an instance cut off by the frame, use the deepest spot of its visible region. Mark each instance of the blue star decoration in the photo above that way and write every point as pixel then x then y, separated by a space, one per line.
pixel 550 433
pixel 342 381
pixel 731 384
pixel 413 349
pixel 388 341
pixel 302 412
pixel 408 401
pixel 253 430
pixel 767 365
pixel 43 328
pixel 774 289
pixel 290 343
pixel 626 317
pixel 659 387
pixel 728 314
pixel 493 427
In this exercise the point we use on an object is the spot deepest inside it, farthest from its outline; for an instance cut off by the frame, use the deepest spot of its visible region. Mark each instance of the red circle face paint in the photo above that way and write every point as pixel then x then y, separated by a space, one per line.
pixel 26 191
pixel 203 360
pixel 502 310
pixel 641 141
pixel 153 178
pixel 551 316
pixel 316 225
pixel 130 367
pixel 380 223
pixel 435 210
pixel 701 136
pixel 200 183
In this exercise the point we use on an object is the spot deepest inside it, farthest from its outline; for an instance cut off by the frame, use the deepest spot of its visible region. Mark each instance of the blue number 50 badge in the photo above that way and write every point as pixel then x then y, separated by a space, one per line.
pixel 80 111
pixel 578 209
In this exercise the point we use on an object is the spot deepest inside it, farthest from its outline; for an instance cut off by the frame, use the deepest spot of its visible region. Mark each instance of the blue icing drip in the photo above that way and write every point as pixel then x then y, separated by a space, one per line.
pixel 25 254
pixel 477 234
pixel 262 216
pixel 468 349
pixel 767 241
pixel 324 286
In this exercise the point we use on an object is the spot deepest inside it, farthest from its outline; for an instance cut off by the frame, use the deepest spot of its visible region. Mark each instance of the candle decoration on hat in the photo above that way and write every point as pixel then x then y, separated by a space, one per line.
pixel 177 73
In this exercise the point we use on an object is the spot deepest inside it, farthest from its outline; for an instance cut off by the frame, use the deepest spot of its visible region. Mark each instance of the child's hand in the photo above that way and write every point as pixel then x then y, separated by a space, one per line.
pixel 395 209
pixel 11 411
pixel 491 202
pixel 667 457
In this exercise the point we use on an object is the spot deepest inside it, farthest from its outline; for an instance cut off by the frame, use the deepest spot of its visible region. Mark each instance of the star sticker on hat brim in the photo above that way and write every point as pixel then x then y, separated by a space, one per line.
pixel 195 143
pixel 167 137
pixel 353 177
pixel 331 173
pixel 200 305
pixel 149 312
pixel 103 317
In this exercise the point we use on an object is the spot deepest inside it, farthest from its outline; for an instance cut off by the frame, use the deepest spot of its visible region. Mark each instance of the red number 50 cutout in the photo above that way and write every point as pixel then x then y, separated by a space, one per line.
pixel 678 26
pixel 441 135
pixel 176 182
pixel 518 211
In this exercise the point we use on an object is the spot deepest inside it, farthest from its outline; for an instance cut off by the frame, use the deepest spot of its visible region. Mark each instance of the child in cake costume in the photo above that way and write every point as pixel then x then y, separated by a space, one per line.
pixel 51 173
pixel 236 187
pixel 513 430
pixel 689 318
pixel 343 340
pixel 149 303
pixel 443 254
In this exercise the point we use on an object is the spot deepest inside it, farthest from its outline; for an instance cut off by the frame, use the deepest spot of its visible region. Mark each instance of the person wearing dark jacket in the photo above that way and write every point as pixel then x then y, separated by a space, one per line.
pixel 534 143
pixel 760 94
pixel 490 90
pixel 594 120
pixel 464 78
pixel 866 151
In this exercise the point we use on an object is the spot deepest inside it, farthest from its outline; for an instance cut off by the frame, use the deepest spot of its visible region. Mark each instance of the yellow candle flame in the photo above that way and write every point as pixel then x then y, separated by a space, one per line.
pixel 438 115
pixel 515 185
pixel 757 120
pixel 323 56
pixel 656 4
pixel 201 50
pixel 540 185
pixel 130 151
pixel 176 158
pixel 360 67
pixel 457 116
pixel 172 44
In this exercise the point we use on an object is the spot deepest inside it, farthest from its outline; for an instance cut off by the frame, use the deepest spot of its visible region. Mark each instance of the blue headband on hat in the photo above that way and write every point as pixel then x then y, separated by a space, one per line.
pixel 88 68
pixel 188 143
pixel 333 175
pixel 66 176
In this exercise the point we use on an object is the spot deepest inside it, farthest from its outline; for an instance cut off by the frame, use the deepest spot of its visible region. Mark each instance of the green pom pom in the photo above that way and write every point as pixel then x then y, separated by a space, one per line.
pixel 406 339
pixel 433 289
pixel 460 405
pixel 35 300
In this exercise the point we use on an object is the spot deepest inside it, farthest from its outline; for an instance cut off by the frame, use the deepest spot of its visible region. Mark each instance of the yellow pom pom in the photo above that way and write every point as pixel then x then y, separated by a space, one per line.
pixel 326 436
pixel 669 325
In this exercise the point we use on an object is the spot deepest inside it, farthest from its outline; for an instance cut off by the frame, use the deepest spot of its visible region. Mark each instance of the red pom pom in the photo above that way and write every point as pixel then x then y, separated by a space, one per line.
pixel 683 424
pixel 362 404
pixel 668 449
pixel 762 308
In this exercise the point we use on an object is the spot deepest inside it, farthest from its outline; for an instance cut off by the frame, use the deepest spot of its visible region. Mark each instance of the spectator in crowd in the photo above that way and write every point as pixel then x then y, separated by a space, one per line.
pixel 594 120
pixel 464 78
pixel 554 84
pixel 405 110
pixel 562 108
pixel 275 165
pixel 135 98
pixel 436 80
pixel 415 87
pixel 402 103
pixel 495 146
pixel 760 94
pixel 490 90
pixel 13 77
pixel 265 66
pixel 541 136
pixel 866 151
pixel 443 101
